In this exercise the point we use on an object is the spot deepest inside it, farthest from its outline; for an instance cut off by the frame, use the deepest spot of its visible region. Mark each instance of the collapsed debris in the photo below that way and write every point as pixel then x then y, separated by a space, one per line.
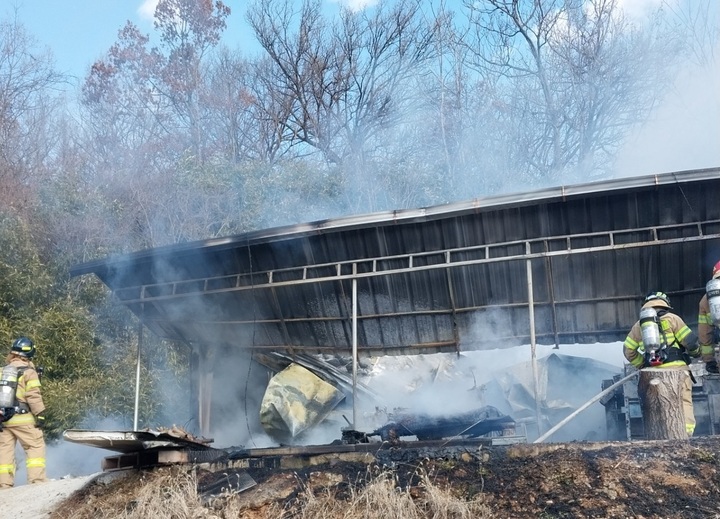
pixel 329 368
pixel 486 421
pixel 472 424
pixel 510 393
pixel 232 481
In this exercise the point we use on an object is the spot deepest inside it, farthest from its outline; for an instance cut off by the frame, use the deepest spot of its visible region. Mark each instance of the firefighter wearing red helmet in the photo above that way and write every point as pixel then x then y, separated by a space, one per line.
pixel 24 417
pixel 661 338
pixel 709 321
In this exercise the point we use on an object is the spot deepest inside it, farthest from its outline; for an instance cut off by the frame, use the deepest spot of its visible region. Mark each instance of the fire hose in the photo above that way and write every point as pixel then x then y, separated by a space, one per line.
pixel 585 406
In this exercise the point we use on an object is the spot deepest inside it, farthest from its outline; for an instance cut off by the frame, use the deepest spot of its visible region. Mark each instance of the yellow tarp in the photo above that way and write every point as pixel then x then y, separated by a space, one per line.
pixel 295 400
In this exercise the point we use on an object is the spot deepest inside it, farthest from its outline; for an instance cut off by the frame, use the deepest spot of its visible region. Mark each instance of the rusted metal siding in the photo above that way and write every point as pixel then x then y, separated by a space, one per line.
pixel 441 278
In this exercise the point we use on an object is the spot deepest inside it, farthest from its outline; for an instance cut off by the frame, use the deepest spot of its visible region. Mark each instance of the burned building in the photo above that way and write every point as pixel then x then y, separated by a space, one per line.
pixel 566 265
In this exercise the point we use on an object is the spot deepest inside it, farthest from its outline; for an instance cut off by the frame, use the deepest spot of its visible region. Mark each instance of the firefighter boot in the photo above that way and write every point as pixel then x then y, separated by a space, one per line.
pixel 712 367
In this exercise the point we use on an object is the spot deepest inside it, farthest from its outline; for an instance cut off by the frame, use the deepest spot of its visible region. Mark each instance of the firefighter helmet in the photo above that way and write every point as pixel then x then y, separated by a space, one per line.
pixel 24 347
pixel 716 270
pixel 657 300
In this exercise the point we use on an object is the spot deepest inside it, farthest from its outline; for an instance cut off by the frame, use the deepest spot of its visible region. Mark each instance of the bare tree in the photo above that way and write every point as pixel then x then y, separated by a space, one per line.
pixel 28 97
pixel 456 133
pixel 574 75
pixel 698 21
pixel 188 30
pixel 144 112
pixel 301 73
pixel 226 100
pixel 246 115
pixel 123 110
pixel 511 39
pixel 135 83
pixel 346 81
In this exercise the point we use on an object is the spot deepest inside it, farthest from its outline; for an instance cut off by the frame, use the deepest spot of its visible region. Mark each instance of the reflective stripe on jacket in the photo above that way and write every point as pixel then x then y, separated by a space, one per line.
pixel 676 334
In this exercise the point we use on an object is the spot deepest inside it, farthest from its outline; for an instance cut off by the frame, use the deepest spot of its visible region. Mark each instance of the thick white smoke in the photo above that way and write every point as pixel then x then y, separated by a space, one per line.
pixel 682 132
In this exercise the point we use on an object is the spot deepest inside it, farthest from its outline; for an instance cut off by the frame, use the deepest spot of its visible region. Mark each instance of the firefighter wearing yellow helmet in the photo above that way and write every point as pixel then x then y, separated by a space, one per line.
pixel 709 321
pixel 23 413
pixel 661 339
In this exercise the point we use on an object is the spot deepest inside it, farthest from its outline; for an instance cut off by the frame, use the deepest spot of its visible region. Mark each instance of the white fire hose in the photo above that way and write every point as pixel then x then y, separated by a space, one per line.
pixel 585 406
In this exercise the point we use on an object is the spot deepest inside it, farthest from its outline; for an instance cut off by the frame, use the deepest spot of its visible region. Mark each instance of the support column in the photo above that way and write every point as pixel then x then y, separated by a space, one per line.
pixel 354 345
pixel 137 376
pixel 533 345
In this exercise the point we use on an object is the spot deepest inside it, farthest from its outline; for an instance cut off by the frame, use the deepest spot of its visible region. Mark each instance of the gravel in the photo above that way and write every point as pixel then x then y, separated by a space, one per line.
pixel 39 500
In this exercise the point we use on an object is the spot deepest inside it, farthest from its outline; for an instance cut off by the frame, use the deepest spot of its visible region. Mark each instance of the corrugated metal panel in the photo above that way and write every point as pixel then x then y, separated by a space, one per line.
pixel 447 277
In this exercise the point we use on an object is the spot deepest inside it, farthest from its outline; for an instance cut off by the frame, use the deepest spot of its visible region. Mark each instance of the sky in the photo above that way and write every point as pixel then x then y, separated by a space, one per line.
pixel 683 131
pixel 80 35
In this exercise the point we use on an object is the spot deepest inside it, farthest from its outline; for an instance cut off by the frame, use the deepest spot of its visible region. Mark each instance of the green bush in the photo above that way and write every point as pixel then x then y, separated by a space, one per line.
pixel 84 374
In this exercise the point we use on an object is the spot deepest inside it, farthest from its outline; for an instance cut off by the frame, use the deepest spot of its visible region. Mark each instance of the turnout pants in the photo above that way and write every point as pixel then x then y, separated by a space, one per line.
pixel 32 441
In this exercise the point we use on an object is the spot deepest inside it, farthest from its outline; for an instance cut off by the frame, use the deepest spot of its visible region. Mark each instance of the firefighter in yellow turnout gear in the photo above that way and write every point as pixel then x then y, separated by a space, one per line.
pixel 27 419
pixel 661 338
pixel 709 320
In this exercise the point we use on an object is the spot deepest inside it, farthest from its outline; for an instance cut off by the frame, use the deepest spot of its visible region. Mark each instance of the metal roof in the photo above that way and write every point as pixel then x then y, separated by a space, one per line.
pixel 449 277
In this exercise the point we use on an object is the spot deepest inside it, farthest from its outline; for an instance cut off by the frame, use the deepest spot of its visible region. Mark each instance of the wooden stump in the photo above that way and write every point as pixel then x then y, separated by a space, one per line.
pixel 660 391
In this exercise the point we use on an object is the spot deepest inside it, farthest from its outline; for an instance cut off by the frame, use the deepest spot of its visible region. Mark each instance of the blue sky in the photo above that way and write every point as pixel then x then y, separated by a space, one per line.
pixel 76 35
pixel 78 32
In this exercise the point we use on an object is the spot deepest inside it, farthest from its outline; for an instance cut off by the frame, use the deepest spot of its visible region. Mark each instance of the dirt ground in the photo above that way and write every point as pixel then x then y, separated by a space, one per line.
pixel 649 479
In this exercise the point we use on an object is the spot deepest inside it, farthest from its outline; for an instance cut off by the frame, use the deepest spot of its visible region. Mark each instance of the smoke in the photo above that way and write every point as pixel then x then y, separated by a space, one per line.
pixel 437 384
pixel 449 383
pixel 682 132
pixel 238 386
pixel 67 459
pixel 443 384
pixel 638 9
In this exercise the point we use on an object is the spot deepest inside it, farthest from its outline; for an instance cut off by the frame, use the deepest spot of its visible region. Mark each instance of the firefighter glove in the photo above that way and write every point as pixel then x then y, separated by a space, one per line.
pixel 40 421
pixel 712 367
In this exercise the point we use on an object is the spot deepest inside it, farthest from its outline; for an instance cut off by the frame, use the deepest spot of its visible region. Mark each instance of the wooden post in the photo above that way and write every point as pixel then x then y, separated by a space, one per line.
pixel 660 391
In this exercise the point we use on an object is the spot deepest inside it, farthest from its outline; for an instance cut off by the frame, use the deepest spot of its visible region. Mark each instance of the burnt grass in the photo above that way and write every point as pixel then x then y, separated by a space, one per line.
pixel 668 479
pixel 647 479
pixel 644 479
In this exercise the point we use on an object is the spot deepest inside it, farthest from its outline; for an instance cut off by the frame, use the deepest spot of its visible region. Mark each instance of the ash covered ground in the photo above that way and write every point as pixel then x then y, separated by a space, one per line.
pixel 647 479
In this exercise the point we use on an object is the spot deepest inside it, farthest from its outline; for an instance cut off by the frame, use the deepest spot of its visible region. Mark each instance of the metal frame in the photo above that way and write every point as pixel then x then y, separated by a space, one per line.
pixel 141 298
pixel 550 250
pixel 247 281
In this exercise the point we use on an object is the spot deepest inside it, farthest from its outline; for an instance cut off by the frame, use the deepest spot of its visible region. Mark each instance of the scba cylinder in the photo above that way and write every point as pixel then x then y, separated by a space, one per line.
pixel 712 289
pixel 649 328
pixel 8 384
